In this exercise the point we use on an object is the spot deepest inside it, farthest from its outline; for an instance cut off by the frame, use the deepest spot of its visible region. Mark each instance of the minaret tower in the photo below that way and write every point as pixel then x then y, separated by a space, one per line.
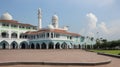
pixel 39 19
pixel 55 21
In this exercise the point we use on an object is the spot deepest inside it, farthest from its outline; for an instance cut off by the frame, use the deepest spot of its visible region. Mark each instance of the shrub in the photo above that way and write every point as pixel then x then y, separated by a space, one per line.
pixel 118 53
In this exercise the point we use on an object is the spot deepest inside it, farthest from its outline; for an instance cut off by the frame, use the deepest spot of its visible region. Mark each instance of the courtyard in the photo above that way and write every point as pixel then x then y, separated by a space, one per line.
pixel 64 56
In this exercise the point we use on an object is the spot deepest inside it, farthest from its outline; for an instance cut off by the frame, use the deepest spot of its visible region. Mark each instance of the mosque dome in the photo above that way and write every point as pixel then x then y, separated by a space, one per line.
pixel 55 17
pixel 6 16
pixel 65 27
pixel 50 26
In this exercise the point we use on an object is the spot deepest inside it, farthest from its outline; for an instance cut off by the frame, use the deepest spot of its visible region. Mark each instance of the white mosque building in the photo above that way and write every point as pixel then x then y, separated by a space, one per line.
pixel 16 35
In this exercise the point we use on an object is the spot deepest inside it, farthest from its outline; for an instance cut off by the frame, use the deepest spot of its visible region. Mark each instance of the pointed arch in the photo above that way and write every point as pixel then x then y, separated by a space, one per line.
pixel 24 45
pixel 64 45
pixel 43 46
pixel 14 45
pixel 51 45
pixel 32 46
pixel 57 46
pixel 37 46
pixel 4 45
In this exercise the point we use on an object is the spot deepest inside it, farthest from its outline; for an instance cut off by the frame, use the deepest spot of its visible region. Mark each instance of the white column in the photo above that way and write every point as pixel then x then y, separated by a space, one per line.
pixel 53 34
pixel 45 35
pixel 47 46
pixel 9 31
pixel 49 34
pixel 40 46
pixel 35 46
pixel 54 46
pixel 60 46
pixel 9 46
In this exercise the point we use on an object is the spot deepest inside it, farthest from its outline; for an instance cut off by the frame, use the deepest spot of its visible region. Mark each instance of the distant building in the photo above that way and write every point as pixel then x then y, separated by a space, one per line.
pixel 16 35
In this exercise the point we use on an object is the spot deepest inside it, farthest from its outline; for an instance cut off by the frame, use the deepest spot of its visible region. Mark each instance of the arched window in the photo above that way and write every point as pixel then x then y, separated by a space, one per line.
pixel 4 35
pixel 51 35
pixel 48 35
pixel 21 35
pixel 14 35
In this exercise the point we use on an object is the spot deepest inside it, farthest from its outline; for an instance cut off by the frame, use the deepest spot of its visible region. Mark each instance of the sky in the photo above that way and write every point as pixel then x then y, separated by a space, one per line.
pixel 94 18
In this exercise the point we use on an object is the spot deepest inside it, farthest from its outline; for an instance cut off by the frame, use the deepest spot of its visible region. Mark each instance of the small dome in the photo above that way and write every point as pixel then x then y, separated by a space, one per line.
pixel 65 28
pixel 6 16
pixel 50 26
pixel 55 17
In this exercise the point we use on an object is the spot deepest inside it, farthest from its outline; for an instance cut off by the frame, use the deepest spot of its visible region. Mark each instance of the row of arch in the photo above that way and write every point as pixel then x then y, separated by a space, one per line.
pixel 6 35
pixel 25 45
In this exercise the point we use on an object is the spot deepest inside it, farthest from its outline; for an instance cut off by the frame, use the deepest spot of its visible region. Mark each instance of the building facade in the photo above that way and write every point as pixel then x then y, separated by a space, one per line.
pixel 16 35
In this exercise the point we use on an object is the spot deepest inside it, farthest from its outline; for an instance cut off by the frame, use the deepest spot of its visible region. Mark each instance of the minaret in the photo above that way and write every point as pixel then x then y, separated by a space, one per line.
pixel 39 19
pixel 55 21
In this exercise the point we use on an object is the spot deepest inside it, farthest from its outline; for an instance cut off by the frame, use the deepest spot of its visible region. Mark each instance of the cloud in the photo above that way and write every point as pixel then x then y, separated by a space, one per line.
pixel 109 31
pixel 92 20
pixel 104 28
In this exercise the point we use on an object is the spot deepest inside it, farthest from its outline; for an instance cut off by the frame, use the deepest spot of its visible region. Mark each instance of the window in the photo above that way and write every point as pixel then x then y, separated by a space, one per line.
pixel 5 24
pixel 28 27
pixel 70 37
pixel 21 27
pixel 13 25
pixel 57 35
pixel 47 35
pixel 51 35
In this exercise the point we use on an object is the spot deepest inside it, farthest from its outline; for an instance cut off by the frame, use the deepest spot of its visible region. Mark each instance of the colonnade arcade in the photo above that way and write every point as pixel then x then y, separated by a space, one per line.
pixel 34 45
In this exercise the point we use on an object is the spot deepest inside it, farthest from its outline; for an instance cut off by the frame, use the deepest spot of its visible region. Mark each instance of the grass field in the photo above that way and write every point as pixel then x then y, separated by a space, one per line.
pixel 114 52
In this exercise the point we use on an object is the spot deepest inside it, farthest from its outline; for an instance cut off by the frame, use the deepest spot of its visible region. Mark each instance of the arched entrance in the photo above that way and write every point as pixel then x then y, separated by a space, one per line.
pixel 57 46
pixel 79 46
pixel 14 45
pixel 43 46
pixel 51 45
pixel 4 45
pixel 37 46
pixel 64 45
pixel 32 46
pixel 23 45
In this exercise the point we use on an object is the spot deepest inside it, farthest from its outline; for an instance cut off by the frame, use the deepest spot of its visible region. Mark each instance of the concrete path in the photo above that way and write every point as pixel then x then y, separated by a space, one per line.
pixel 69 56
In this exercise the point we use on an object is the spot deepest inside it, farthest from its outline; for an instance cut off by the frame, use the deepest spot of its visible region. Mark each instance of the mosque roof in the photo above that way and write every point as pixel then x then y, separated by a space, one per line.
pixel 51 30
pixel 15 22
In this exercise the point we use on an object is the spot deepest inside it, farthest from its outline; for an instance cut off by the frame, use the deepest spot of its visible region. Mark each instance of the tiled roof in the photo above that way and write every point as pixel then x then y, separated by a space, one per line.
pixel 15 22
pixel 52 30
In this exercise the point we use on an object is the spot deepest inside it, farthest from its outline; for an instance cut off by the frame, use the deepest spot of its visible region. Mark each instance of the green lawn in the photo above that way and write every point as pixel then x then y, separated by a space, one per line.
pixel 114 52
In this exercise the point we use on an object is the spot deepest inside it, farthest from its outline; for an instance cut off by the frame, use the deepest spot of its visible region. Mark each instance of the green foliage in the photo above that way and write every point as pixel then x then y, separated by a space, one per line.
pixel 114 52
pixel 104 44
pixel 118 53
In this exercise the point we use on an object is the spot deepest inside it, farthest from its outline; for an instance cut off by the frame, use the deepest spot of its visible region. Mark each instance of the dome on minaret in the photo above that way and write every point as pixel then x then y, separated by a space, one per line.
pixel 6 16
pixel 55 21
pixel 55 17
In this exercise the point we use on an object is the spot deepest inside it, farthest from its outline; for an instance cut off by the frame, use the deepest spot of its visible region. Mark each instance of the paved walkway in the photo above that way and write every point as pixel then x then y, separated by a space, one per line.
pixel 72 56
